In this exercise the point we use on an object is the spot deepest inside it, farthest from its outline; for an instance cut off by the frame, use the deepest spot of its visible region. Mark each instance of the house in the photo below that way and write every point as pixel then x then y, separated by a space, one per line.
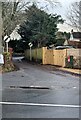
pixel 74 40
pixel 14 35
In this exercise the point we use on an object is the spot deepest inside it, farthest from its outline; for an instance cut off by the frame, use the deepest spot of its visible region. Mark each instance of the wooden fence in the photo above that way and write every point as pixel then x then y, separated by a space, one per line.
pixel 53 57
pixel 36 54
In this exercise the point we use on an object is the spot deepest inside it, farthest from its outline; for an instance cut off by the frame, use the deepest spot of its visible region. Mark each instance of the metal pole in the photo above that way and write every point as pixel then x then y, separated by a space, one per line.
pixel 0 53
pixel 1 27
pixel 7 46
pixel 30 53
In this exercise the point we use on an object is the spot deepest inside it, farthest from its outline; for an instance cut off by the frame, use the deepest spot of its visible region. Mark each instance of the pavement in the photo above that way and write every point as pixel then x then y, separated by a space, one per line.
pixel 69 70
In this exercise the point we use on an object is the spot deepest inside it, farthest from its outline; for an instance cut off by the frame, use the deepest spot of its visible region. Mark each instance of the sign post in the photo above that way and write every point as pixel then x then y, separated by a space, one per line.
pixel 7 43
pixel 30 45
pixel 6 39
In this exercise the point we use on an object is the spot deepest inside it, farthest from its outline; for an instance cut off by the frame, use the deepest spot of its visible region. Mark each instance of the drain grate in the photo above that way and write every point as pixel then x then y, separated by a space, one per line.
pixel 29 87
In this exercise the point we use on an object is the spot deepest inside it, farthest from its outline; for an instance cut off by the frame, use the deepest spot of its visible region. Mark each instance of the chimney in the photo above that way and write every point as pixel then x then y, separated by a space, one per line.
pixel 71 35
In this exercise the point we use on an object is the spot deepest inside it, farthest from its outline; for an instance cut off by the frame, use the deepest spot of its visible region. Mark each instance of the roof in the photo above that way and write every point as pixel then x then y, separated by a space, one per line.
pixel 77 35
pixel 14 35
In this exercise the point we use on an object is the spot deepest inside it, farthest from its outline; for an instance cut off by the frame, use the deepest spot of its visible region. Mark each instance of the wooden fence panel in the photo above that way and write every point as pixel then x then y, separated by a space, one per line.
pixel 59 57
pixel 36 54
pixel 54 57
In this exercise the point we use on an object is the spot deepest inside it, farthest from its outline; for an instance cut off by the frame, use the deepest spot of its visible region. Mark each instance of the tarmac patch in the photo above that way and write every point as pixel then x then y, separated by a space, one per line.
pixel 29 87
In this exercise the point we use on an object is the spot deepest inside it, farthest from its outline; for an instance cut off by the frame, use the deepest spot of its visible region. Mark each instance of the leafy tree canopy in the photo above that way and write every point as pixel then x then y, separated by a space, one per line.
pixel 40 27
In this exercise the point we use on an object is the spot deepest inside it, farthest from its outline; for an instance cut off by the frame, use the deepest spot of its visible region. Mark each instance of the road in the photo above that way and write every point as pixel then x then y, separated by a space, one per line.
pixel 36 91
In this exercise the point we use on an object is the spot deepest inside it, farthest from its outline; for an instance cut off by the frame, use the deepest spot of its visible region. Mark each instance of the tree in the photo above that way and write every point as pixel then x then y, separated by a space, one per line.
pixel 13 13
pixel 40 27
pixel 74 15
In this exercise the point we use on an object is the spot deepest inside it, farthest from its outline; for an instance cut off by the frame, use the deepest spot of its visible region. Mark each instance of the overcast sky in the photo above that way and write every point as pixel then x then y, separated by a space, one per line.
pixel 61 9
pixel 66 4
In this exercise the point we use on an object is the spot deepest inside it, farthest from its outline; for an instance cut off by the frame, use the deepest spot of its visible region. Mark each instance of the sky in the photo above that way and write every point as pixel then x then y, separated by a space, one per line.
pixel 61 9
pixel 66 4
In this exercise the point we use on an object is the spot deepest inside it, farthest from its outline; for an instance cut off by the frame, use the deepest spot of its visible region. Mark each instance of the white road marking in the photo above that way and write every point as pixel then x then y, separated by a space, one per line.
pixel 40 104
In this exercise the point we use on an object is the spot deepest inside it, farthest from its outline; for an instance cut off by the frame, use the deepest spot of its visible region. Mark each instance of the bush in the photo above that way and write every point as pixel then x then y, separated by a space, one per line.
pixel 8 64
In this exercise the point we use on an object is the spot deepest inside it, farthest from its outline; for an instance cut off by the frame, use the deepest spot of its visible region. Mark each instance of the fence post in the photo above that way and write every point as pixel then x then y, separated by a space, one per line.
pixel 43 55
pixel 65 56
pixel 36 54
pixel 53 58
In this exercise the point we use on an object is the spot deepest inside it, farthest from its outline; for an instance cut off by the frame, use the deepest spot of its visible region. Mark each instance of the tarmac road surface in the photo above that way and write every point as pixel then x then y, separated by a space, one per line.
pixel 37 92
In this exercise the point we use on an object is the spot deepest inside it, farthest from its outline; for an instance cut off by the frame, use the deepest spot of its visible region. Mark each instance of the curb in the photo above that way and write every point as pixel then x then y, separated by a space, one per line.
pixel 69 72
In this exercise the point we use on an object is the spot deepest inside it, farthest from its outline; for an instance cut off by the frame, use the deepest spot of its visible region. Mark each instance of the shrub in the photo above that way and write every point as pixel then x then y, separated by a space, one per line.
pixel 8 64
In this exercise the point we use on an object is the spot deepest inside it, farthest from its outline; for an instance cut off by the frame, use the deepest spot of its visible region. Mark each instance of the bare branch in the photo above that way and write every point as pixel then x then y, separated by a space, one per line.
pixel 13 12
pixel 74 15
